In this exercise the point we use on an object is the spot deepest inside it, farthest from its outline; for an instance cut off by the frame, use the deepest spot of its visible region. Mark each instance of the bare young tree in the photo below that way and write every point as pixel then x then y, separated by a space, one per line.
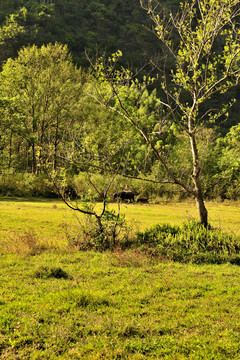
pixel 102 227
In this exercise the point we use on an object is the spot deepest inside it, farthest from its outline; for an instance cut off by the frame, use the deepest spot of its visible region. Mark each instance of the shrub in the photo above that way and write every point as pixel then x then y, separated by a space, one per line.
pixel 24 184
pixel 113 233
pixel 191 242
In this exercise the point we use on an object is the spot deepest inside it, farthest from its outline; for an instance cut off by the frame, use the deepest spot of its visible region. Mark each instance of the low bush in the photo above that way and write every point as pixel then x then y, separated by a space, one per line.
pixel 30 185
pixel 140 188
pixel 113 234
pixel 26 185
pixel 191 242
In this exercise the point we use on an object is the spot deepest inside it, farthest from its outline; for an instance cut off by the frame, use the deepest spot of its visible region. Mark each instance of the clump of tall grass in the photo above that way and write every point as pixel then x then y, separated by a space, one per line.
pixel 46 272
pixel 191 242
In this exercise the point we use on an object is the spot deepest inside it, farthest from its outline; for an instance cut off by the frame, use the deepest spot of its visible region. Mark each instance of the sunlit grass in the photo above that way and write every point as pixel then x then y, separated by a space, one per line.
pixel 225 216
pixel 51 220
pixel 45 217
pixel 145 216
pixel 65 304
pixel 117 306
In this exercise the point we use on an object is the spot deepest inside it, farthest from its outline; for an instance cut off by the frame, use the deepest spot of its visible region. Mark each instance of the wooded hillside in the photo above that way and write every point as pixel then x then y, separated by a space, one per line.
pixel 95 26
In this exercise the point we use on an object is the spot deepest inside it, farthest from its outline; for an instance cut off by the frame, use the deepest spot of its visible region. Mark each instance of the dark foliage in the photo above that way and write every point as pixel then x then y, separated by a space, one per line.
pixel 95 26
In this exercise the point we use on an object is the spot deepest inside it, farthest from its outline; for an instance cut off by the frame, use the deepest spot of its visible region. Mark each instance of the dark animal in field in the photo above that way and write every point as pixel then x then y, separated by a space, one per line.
pixel 70 193
pixel 142 200
pixel 124 195
pixel 101 196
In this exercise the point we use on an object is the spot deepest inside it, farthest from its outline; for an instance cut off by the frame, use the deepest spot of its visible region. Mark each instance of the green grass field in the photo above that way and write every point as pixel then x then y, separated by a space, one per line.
pixel 59 303
pixel 50 220
pixel 117 306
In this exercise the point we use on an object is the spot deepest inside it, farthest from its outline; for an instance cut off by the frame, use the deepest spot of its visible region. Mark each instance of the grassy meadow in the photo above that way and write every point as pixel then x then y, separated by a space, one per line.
pixel 50 221
pixel 60 303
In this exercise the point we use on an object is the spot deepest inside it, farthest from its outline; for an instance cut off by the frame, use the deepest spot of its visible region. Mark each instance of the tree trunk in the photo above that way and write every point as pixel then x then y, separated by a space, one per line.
pixel 56 142
pixel 10 152
pixel 202 211
pixel 34 160
pixel 199 199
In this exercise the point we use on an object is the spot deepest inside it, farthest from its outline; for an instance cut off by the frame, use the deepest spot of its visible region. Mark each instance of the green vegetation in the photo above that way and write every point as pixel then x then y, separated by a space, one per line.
pixel 189 88
pixel 61 303
pixel 191 242
pixel 52 121
pixel 98 279
pixel 120 305
pixel 32 227
pixel 93 25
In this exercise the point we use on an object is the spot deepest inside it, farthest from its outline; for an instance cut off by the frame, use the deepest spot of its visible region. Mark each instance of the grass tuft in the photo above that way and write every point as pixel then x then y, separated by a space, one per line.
pixel 45 272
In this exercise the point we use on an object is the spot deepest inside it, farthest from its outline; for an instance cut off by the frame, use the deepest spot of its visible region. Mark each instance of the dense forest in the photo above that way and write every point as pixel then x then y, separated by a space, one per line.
pixel 52 118
pixel 92 26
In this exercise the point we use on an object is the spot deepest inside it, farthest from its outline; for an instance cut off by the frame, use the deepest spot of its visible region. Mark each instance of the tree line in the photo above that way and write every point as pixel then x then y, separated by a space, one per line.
pixel 50 116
